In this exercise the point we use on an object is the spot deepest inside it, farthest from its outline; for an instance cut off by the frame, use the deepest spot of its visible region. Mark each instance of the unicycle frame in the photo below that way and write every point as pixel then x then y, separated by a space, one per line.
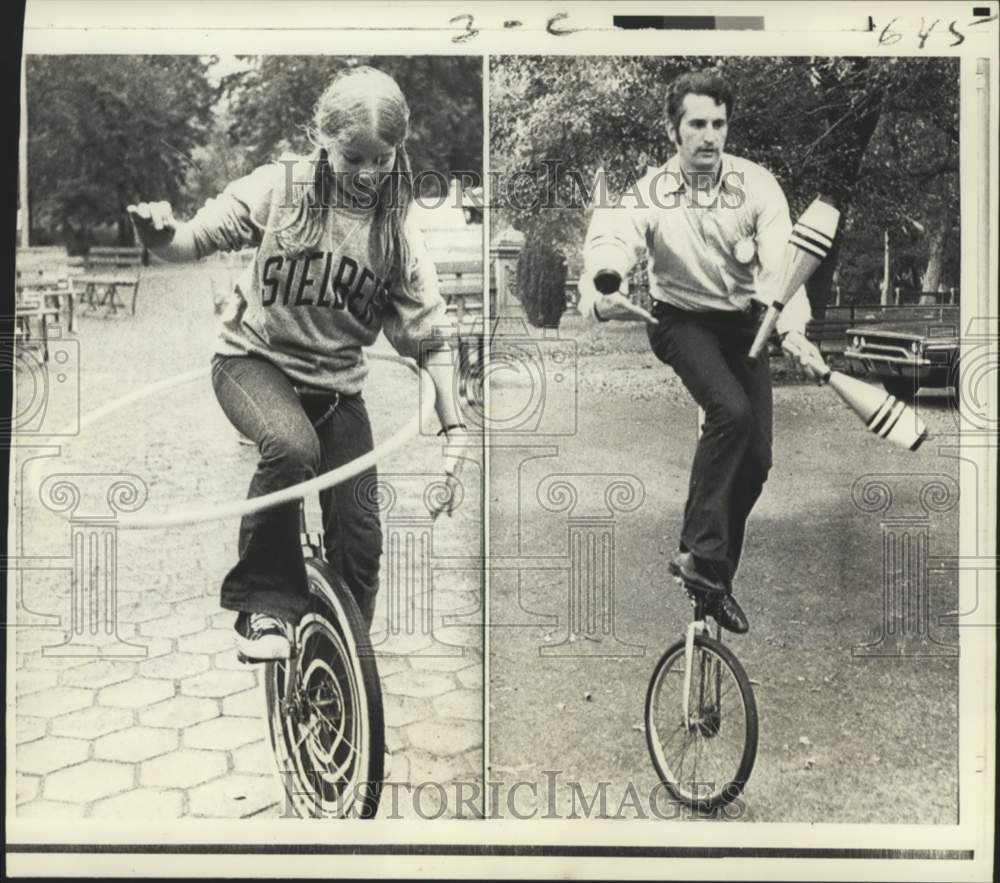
pixel 700 662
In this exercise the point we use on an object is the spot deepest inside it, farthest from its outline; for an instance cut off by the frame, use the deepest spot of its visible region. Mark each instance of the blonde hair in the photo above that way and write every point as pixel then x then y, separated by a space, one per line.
pixel 358 95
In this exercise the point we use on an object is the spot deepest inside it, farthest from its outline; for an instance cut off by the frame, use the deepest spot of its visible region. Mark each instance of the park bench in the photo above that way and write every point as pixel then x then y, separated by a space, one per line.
pixel 97 278
pixel 41 288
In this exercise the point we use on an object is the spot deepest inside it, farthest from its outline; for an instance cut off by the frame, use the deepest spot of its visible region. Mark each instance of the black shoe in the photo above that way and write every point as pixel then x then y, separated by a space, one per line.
pixel 261 637
pixel 699 573
pixel 730 615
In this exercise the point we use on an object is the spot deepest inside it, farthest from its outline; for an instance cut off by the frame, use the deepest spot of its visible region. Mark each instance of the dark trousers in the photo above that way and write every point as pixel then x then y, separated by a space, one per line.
pixel 708 351
pixel 299 434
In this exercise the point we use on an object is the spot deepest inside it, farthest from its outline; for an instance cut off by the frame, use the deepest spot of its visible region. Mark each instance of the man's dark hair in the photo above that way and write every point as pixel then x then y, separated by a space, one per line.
pixel 697 83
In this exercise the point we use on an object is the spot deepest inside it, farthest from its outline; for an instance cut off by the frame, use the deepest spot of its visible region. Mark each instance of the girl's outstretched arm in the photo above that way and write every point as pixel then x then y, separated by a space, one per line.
pixel 161 233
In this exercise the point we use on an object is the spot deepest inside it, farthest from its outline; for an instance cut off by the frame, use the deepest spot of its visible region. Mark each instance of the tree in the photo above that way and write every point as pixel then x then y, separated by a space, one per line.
pixel 108 130
pixel 541 284
pixel 273 103
pixel 878 133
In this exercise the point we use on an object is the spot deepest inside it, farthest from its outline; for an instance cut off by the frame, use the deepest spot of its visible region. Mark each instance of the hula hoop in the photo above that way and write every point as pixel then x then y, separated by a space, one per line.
pixel 129 521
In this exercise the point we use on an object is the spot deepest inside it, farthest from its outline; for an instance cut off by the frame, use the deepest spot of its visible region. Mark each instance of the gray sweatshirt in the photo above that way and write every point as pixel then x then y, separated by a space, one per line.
pixel 312 315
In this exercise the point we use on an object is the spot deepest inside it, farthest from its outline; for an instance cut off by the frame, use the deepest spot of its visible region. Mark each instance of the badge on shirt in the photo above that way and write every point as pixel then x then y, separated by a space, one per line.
pixel 744 251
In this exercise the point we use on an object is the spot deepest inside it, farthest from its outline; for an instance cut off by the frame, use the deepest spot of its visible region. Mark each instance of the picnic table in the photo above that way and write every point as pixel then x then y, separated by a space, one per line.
pixel 98 276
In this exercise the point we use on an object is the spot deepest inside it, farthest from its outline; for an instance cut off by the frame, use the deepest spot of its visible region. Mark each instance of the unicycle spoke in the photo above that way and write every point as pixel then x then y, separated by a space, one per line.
pixel 325 708
pixel 706 758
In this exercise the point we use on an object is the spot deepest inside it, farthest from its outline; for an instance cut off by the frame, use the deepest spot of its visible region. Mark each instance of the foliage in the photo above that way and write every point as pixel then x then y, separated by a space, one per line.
pixel 541 284
pixel 108 130
pixel 881 134
pixel 273 102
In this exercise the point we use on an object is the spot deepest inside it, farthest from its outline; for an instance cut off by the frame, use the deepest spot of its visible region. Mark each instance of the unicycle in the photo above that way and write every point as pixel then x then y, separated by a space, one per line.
pixel 324 704
pixel 701 717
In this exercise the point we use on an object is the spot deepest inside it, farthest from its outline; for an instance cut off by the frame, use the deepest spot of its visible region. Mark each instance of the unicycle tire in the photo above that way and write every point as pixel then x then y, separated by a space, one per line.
pixel 720 733
pixel 324 708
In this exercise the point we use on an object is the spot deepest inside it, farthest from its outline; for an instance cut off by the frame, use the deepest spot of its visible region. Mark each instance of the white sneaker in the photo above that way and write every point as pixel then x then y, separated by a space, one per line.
pixel 261 637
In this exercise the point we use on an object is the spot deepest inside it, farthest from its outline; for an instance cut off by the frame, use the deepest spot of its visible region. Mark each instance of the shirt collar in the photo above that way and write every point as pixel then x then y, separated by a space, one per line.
pixel 673 179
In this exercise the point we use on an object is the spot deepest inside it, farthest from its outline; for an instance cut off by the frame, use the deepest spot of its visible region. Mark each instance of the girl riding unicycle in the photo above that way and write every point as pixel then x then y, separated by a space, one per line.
pixel 337 261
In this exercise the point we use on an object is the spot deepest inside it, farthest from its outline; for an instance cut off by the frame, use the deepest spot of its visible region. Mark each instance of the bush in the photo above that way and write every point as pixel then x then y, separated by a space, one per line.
pixel 541 284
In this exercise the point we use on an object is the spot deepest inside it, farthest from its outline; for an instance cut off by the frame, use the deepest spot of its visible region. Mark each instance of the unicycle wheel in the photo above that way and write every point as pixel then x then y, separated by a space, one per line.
pixel 705 758
pixel 324 708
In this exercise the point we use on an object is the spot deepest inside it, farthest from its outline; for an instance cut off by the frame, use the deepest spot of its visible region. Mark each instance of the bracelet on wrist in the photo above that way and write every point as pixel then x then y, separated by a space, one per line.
pixel 444 430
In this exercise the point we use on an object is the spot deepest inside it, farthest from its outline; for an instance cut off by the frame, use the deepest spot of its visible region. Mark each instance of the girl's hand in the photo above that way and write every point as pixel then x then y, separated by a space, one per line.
pixel 154 223
pixel 449 498
pixel 451 495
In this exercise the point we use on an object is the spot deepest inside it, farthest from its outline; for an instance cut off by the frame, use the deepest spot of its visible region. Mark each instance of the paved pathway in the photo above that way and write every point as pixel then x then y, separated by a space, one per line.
pixel 177 728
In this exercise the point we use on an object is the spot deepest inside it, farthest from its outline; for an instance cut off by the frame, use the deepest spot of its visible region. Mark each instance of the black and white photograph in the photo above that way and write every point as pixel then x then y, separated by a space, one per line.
pixel 209 249
pixel 528 440
pixel 753 265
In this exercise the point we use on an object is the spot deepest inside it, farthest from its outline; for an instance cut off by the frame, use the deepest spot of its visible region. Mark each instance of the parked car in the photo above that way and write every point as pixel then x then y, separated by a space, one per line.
pixel 908 354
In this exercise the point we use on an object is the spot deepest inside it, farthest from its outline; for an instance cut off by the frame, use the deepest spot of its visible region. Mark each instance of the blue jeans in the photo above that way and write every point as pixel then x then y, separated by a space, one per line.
pixel 299 434
pixel 708 352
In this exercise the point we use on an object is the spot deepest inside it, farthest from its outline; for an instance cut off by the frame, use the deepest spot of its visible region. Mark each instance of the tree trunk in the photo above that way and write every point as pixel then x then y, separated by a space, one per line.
pixel 126 235
pixel 938 243
pixel 846 149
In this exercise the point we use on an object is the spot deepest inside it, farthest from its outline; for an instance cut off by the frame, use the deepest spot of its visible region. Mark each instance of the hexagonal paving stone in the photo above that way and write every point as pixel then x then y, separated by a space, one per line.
pixel 51 753
pixel 173 626
pixel 50 809
pixel 227 660
pixel 235 796
pixel 441 663
pixel 403 710
pixel 402 646
pixel 203 607
pixel 183 768
pixel 418 684
pixel 249 703
pixel 181 711
pixel 455 603
pixel 174 665
pixel 89 781
pixel 223 733
pixel 29 728
pixel 256 757
pixel 140 804
pixel 25 787
pixel 58 700
pixel 207 641
pixel 52 663
pixel 99 673
pixel 472 677
pixel 464 704
pixel 217 683
pixel 426 767
pixel 224 619
pixel 90 723
pixel 143 610
pixel 155 647
pixel 135 744
pixel 464 635
pixel 136 693
pixel 389 665
pixel 394 738
pixel 445 738
pixel 32 680
pixel 397 769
